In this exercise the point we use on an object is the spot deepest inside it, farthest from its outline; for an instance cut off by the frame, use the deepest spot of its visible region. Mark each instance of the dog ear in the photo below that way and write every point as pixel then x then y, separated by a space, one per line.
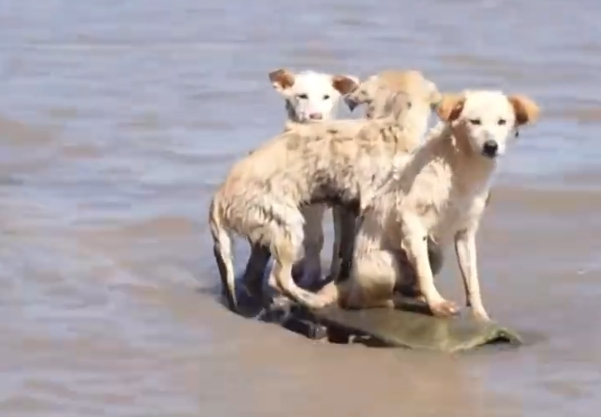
pixel 281 79
pixel 526 110
pixel 450 107
pixel 345 84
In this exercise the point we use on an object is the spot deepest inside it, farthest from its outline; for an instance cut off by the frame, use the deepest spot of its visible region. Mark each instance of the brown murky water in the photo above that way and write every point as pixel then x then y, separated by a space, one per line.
pixel 117 119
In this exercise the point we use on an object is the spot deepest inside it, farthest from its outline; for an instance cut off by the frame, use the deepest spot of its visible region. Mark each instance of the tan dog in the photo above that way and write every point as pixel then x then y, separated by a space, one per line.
pixel 340 162
pixel 439 193
pixel 310 97
pixel 377 93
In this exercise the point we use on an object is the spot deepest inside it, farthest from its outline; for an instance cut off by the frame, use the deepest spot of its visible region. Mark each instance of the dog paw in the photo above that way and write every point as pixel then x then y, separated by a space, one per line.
pixel 319 303
pixel 444 308
pixel 311 301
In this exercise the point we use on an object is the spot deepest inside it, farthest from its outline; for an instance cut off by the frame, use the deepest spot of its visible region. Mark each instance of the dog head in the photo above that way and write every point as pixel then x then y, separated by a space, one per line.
pixel 310 95
pixel 367 92
pixel 395 104
pixel 487 118
pixel 375 92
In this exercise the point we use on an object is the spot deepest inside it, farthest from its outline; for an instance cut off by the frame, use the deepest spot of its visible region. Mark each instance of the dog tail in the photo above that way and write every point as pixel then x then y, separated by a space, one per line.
pixel 222 250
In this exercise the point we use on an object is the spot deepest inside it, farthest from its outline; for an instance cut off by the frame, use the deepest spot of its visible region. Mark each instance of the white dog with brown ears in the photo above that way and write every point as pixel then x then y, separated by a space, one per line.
pixel 311 96
pixel 438 193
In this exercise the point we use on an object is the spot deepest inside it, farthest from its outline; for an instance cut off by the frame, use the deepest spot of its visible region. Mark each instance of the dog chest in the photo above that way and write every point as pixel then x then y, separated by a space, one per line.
pixel 453 215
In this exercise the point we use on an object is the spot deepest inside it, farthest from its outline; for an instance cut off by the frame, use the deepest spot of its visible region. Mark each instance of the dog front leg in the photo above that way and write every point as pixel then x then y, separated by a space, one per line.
pixel 415 243
pixel 465 248
pixel 312 245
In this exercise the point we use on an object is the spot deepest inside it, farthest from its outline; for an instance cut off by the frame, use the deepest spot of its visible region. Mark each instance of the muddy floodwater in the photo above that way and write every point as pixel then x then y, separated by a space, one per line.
pixel 118 119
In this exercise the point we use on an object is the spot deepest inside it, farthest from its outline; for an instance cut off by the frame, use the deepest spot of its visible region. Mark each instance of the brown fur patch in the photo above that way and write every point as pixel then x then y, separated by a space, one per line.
pixel 526 110
pixel 344 84
pixel 450 107
pixel 282 78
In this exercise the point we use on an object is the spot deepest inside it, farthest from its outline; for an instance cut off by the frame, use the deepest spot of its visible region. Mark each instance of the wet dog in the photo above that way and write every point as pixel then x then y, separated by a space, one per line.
pixel 311 96
pixel 437 194
pixel 337 163
pixel 377 94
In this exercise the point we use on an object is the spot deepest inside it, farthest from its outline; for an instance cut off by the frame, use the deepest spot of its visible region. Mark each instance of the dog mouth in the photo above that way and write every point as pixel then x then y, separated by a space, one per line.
pixel 489 154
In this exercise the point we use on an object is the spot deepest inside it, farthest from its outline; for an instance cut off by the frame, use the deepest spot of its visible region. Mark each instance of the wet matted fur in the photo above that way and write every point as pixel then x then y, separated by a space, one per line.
pixel 340 162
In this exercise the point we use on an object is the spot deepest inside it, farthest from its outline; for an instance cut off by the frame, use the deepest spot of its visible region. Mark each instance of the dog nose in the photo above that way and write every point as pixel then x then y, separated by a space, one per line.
pixel 490 148
pixel 315 116
pixel 352 104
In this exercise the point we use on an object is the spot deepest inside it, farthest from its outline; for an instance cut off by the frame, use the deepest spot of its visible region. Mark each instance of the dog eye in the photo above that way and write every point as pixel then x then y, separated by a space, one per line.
pixel 502 122
pixel 303 96
pixel 476 121
pixel 409 104
pixel 326 97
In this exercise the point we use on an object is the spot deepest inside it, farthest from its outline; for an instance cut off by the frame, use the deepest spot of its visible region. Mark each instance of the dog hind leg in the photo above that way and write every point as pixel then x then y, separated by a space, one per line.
pixel 373 278
pixel 255 270
pixel 285 252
